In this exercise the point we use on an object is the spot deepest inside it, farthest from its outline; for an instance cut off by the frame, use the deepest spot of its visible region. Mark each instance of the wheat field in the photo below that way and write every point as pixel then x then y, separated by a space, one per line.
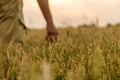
pixel 80 54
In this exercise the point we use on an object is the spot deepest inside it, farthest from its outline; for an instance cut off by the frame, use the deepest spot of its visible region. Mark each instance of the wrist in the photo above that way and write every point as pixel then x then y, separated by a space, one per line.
pixel 50 25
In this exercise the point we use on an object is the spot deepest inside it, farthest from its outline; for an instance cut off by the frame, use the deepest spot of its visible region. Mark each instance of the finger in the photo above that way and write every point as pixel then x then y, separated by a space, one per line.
pixel 46 38
pixel 52 38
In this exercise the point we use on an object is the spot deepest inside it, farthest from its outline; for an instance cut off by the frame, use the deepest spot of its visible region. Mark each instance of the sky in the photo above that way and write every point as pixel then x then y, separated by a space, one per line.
pixel 73 12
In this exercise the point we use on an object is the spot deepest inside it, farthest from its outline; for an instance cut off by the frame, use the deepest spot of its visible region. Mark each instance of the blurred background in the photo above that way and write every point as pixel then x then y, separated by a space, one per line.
pixel 74 12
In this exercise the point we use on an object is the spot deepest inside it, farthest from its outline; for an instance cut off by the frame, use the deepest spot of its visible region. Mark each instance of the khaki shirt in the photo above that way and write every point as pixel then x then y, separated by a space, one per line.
pixel 11 21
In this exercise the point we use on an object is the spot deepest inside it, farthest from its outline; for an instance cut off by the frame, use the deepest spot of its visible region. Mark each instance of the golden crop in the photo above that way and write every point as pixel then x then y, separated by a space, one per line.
pixel 80 54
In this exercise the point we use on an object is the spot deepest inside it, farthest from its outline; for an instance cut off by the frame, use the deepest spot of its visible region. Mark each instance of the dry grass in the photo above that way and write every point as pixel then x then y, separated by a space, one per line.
pixel 80 54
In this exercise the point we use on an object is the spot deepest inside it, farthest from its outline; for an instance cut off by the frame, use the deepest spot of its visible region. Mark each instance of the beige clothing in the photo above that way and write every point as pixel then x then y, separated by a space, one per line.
pixel 11 21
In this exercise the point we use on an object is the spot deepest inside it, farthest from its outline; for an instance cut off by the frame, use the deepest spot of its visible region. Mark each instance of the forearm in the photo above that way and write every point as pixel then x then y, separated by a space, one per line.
pixel 44 6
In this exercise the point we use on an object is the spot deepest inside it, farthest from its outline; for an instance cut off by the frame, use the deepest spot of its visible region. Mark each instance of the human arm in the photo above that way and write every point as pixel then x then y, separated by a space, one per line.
pixel 52 32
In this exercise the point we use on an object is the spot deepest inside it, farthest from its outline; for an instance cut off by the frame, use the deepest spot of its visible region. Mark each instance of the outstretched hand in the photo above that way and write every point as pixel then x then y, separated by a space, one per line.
pixel 52 33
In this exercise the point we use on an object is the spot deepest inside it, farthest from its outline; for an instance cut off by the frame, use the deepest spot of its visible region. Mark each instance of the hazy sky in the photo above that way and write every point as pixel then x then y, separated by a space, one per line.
pixel 73 12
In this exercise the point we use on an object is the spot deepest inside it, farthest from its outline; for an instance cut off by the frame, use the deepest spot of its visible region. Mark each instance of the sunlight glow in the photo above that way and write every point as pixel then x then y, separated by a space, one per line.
pixel 59 2
pixel 73 11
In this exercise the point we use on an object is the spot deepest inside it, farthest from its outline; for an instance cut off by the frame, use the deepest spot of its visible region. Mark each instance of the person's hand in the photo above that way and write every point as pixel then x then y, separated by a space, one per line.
pixel 52 33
